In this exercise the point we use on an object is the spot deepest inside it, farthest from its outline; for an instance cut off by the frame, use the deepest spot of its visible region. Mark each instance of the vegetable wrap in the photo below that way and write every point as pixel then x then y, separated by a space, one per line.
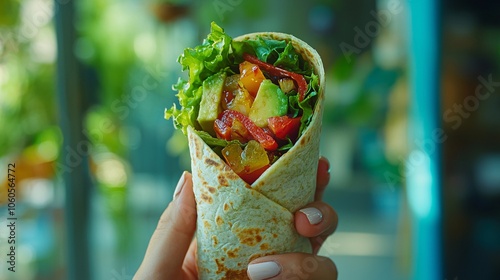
pixel 252 110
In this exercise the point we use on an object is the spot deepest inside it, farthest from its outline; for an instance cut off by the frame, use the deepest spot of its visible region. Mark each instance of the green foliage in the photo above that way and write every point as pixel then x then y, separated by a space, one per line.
pixel 9 13
pixel 27 97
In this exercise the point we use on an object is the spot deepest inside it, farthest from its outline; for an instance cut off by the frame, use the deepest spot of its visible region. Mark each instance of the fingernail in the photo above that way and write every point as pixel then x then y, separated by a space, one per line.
pixel 264 270
pixel 180 184
pixel 313 215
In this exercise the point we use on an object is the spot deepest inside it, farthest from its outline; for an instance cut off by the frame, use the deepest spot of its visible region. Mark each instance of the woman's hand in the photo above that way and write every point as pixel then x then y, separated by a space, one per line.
pixel 171 251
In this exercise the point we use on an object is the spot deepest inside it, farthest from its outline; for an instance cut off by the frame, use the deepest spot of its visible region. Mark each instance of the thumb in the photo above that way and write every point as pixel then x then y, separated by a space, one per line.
pixel 172 236
pixel 292 266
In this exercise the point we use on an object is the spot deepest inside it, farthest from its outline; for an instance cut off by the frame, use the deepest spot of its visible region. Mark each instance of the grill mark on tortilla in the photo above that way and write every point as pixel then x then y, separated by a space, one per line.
pixel 222 180
pixel 210 161
pixel 229 173
pixel 219 220
pixel 206 224
pixel 232 274
pixel 304 140
pixel 220 266
pixel 229 274
pixel 206 198
pixel 264 246
pixel 197 147
pixel 211 189
pixel 226 207
pixel 259 185
pixel 216 241
pixel 233 253
pixel 250 236
pixel 203 182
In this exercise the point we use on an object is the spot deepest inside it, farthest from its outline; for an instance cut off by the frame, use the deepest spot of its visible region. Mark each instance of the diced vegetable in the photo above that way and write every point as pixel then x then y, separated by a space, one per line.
pixel 249 163
pixel 269 102
pixel 254 157
pixel 231 82
pixel 286 84
pixel 284 127
pixel 232 155
pixel 235 97
pixel 278 72
pixel 223 126
pixel 210 100
pixel 242 101
pixel 251 76
pixel 239 132
pixel 227 99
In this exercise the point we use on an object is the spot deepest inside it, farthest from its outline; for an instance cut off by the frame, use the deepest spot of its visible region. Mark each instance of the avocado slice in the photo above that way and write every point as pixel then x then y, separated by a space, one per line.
pixel 210 102
pixel 270 101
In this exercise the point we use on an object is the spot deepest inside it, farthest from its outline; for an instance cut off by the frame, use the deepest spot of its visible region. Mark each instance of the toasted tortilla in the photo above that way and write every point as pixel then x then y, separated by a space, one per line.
pixel 238 222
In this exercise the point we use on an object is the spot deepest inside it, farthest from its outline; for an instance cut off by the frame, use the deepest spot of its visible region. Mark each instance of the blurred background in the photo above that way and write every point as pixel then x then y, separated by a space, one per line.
pixel 411 128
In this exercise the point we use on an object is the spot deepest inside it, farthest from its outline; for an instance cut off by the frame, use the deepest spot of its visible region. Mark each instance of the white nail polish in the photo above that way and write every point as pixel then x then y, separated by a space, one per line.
pixel 313 215
pixel 180 184
pixel 264 270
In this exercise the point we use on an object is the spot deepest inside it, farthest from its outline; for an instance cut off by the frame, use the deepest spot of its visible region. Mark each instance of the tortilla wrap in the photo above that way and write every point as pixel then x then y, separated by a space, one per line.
pixel 238 222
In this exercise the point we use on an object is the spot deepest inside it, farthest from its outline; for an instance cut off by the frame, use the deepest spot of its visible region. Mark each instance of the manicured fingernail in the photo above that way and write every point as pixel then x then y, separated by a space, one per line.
pixel 313 215
pixel 180 184
pixel 264 270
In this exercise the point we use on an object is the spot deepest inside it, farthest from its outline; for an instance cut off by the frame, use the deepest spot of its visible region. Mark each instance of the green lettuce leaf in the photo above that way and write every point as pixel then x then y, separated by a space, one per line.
pixel 306 106
pixel 208 58
pixel 212 141
pixel 278 53
pixel 266 50
pixel 289 59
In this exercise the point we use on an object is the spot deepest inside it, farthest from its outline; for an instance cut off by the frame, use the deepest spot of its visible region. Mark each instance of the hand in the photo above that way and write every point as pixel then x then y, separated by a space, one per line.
pixel 173 238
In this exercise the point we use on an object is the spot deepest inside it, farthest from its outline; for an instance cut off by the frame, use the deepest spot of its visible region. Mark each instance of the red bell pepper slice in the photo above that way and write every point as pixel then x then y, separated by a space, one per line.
pixel 284 126
pixel 222 127
pixel 276 71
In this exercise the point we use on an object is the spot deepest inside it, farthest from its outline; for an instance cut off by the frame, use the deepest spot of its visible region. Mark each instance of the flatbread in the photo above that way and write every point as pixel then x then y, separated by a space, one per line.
pixel 238 222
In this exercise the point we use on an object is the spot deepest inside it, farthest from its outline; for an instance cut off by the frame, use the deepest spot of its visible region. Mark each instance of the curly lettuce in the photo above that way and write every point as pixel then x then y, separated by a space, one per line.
pixel 202 61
